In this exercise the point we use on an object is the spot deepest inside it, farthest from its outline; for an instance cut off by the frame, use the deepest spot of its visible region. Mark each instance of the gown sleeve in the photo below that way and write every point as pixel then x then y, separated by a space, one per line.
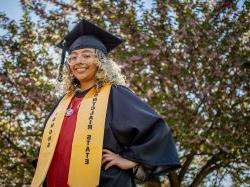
pixel 143 134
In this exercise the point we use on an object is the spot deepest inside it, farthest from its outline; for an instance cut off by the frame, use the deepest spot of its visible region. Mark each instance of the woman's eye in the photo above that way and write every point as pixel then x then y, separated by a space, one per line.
pixel 73 58
pixel 86 56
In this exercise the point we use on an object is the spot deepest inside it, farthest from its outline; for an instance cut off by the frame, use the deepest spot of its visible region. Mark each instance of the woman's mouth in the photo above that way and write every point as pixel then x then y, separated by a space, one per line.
pixel 80 70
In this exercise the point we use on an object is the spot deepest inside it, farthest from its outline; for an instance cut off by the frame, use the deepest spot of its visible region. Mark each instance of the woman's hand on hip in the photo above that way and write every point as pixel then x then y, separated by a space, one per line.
pixel 111 159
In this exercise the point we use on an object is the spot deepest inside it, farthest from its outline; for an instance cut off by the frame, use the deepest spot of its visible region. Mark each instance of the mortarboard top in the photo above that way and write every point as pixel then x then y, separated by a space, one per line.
pixel 86 28
pixel 87 35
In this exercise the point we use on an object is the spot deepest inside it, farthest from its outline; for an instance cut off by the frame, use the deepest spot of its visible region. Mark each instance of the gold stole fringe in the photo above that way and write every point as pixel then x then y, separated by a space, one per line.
pixel 86 154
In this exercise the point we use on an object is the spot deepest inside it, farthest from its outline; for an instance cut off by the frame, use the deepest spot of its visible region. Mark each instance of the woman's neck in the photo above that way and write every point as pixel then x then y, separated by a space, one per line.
pixel 87 85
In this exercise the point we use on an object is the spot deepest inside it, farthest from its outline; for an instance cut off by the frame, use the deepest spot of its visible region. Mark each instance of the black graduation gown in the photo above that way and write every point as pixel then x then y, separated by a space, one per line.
pixel 135 131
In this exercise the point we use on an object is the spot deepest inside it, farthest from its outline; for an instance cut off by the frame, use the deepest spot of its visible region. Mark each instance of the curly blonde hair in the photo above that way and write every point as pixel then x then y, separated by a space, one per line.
pixel 108 72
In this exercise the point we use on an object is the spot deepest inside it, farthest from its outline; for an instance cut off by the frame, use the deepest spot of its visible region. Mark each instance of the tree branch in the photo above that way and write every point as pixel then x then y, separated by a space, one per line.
pixel 189 159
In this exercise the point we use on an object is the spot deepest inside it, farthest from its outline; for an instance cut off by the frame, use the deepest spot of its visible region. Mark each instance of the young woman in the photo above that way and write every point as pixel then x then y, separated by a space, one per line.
pixel 100 133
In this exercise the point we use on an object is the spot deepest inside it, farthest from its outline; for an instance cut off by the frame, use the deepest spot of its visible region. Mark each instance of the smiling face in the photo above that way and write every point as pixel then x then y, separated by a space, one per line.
pixel 82 63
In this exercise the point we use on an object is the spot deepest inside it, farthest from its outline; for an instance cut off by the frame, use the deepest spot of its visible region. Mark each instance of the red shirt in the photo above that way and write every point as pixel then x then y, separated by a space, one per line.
pixel 59 168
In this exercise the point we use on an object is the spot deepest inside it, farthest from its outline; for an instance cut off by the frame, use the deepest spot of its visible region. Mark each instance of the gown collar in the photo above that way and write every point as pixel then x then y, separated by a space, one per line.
pixel 81 93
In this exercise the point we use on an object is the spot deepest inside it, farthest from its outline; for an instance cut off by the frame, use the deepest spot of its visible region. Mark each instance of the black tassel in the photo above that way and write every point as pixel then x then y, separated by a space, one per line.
pixel 62 62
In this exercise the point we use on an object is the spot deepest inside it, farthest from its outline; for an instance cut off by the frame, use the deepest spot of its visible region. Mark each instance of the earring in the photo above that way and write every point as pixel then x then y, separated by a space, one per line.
pixel 71 76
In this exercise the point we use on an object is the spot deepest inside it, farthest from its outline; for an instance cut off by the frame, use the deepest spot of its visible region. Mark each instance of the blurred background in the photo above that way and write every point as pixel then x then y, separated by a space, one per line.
pixel 188 59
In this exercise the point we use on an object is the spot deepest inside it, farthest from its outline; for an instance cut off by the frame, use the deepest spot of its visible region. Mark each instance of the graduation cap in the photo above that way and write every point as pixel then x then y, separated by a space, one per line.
pixel 87 35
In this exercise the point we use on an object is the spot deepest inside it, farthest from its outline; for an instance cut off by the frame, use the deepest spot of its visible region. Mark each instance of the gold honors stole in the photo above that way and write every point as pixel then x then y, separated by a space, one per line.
pixel 86 153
